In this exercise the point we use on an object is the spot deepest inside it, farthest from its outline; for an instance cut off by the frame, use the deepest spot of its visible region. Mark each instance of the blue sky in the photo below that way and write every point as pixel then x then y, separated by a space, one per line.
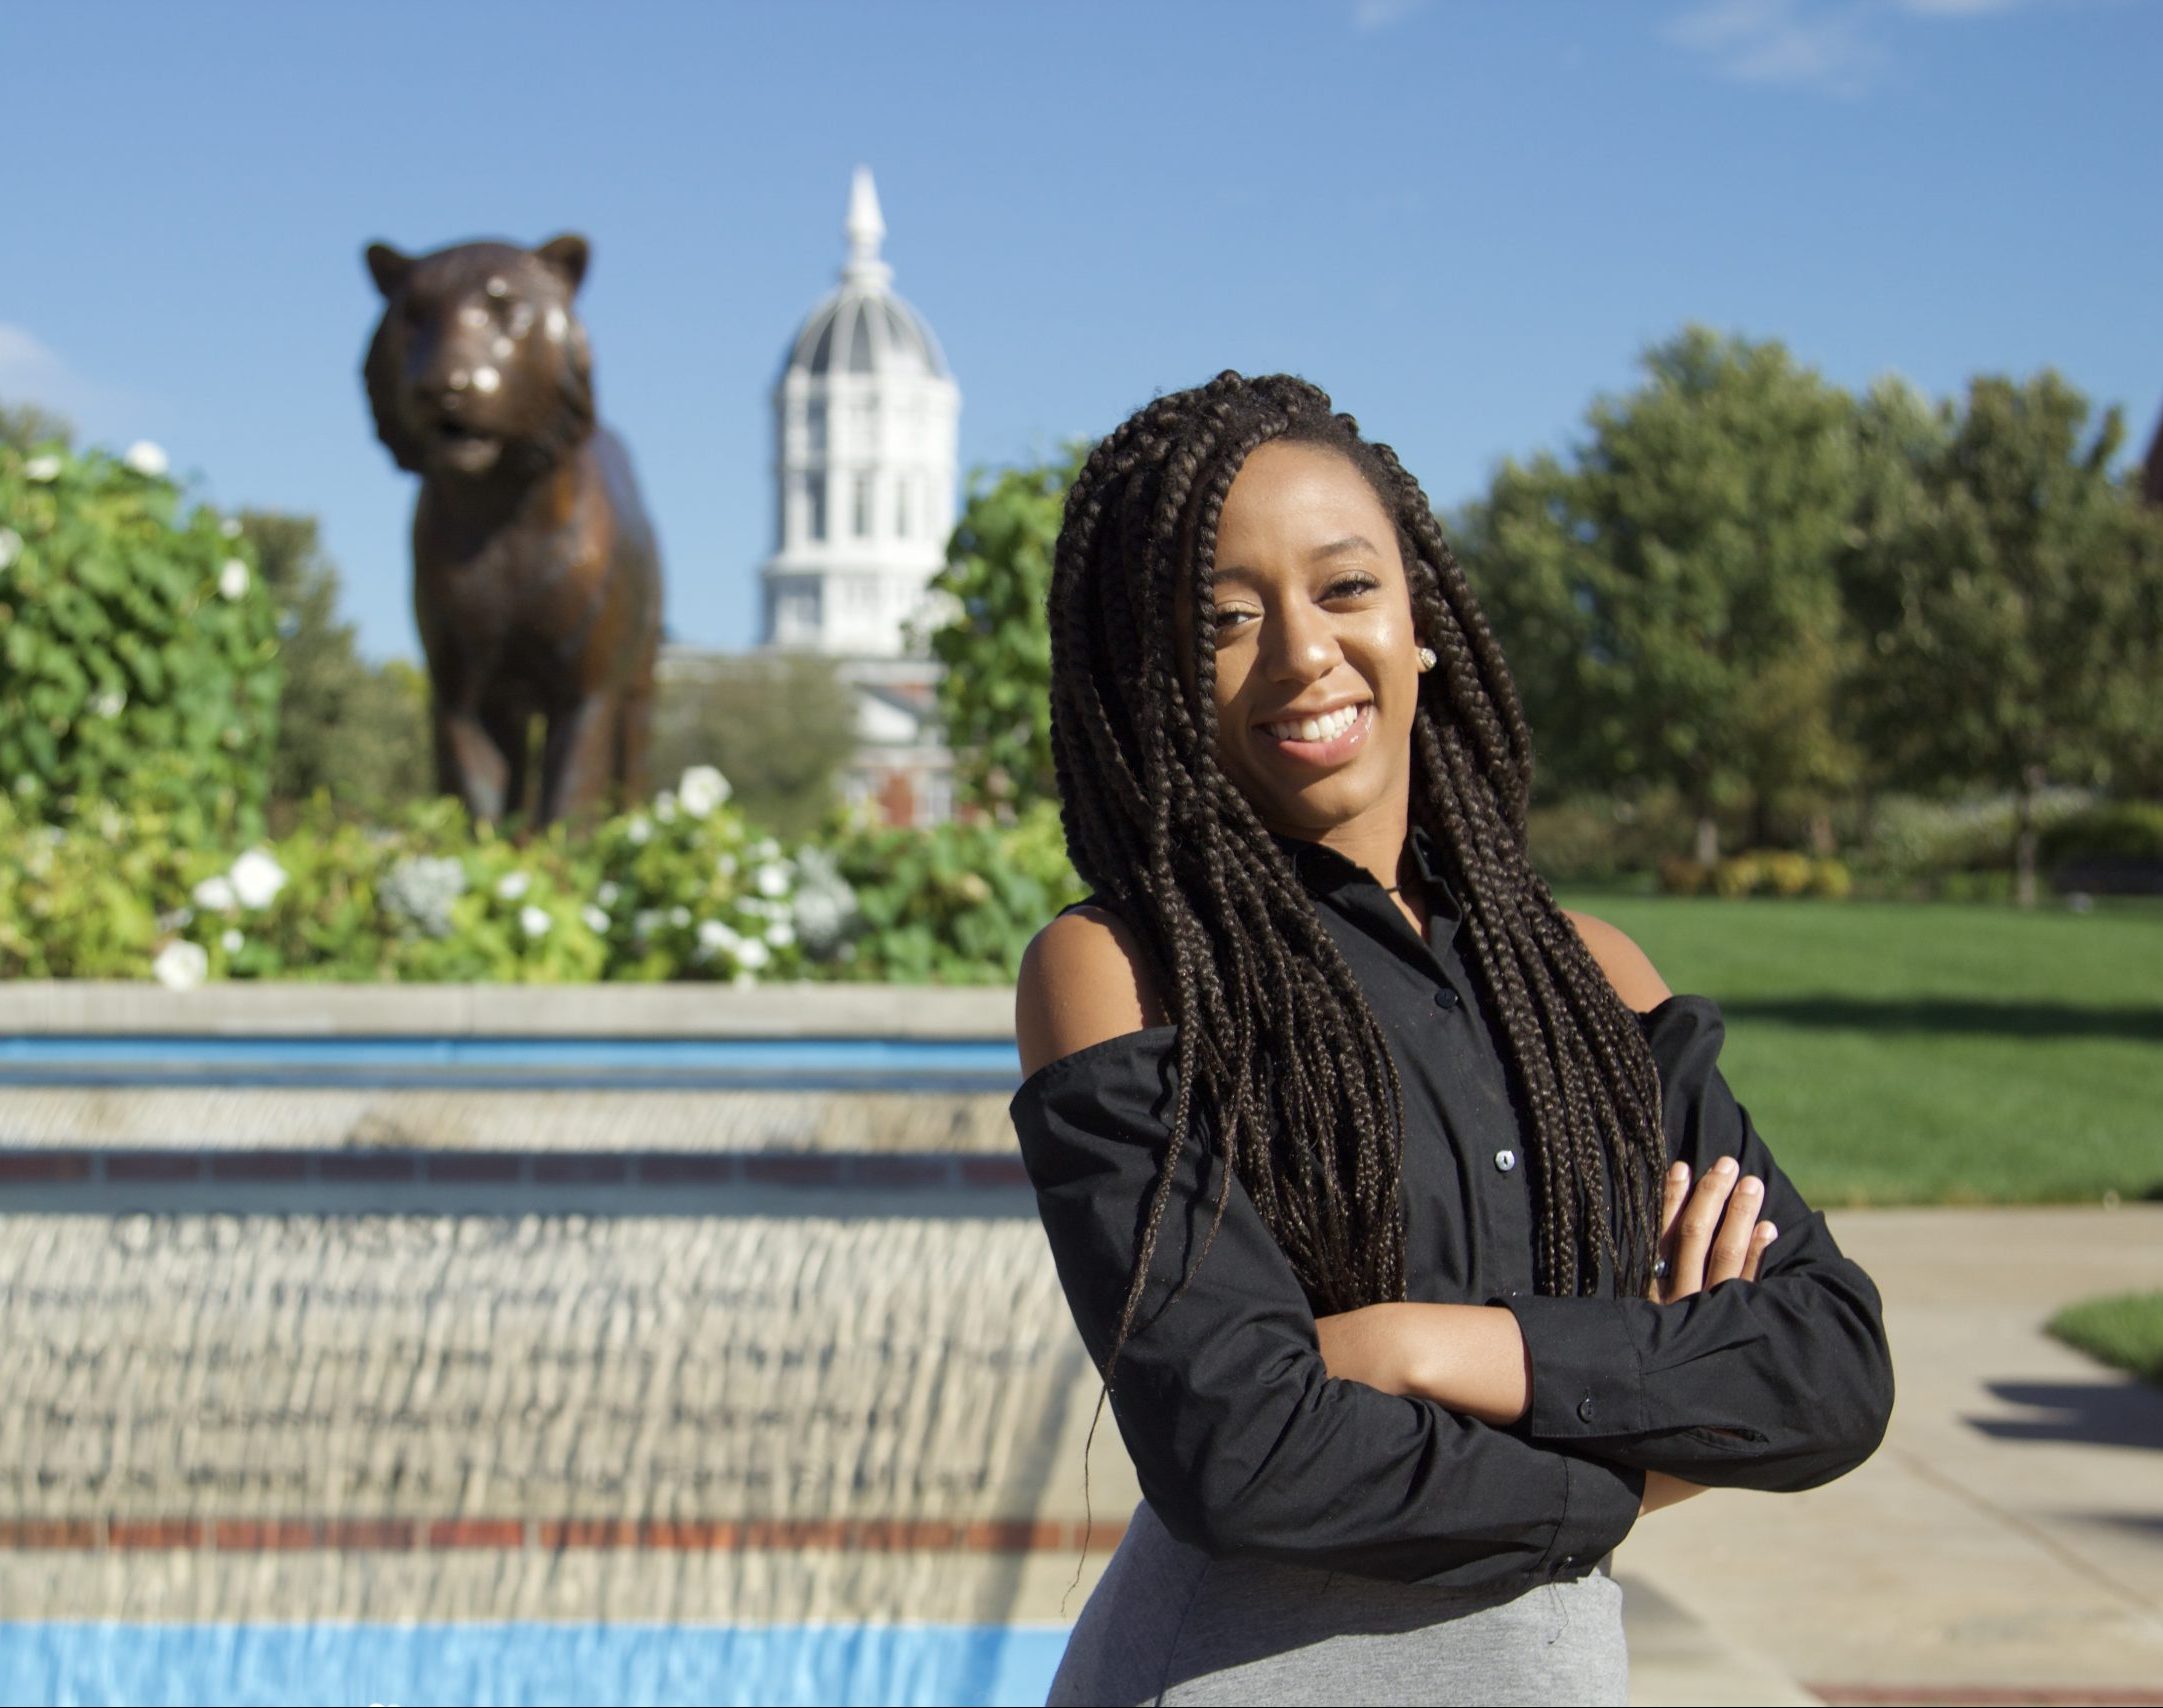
pixel 1463 219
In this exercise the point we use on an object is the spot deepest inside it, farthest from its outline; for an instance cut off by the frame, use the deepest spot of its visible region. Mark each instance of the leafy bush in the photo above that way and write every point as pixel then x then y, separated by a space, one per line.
pixel 686 888
pixel 1599 839
pixel 78 901
pixel 992 633
pixel 1831 879
pixel 128 628
pixel 1777 872
pixel 2130 830
pixel 956 904
pixel 1914 841
pixel 1682 876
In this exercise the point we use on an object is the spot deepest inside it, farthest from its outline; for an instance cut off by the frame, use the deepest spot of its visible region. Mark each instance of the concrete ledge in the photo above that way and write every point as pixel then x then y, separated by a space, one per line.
pixel 46 1007
pixel 302 1119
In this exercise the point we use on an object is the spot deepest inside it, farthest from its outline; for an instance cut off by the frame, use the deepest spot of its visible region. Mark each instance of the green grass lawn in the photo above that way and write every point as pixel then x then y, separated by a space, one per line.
pixel 2125 1330
pixel 1899 1053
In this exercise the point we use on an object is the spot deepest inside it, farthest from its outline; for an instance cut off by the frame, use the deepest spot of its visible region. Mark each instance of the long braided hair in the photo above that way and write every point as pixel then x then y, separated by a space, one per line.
pixel 1278 1054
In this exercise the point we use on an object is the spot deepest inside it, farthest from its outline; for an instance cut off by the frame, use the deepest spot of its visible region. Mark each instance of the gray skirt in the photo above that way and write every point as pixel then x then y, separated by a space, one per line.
pixel 1169 1624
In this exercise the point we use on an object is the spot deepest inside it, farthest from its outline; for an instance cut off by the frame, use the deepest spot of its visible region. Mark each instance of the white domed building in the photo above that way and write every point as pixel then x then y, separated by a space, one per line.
pixel 866 448
pixel 866 421
pixel 865 418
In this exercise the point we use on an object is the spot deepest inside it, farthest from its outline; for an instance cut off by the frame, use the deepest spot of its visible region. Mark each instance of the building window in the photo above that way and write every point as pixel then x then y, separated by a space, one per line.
pixel 938 797
pixel 815 506
pixel 800 611
pixel 815 427
pixel 901 507
pixel 863 507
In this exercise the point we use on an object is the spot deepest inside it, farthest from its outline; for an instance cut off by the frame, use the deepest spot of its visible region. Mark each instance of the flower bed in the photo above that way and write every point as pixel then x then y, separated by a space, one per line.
pixel 684 888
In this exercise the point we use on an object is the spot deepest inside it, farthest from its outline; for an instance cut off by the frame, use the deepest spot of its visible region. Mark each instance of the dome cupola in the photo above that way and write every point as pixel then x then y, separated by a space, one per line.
pixel 862 327
pixel 866 431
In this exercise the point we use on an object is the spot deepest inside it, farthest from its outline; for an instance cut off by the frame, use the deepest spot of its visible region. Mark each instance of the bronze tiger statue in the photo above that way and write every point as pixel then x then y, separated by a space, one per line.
pixel 536 579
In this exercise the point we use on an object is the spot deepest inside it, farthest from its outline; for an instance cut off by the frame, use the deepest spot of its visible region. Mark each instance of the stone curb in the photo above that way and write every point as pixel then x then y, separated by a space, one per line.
pixel 203 1118
pixel 33 1008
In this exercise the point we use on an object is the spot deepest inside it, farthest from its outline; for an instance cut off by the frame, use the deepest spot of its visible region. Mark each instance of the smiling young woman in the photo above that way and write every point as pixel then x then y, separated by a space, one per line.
pixel 1417 1237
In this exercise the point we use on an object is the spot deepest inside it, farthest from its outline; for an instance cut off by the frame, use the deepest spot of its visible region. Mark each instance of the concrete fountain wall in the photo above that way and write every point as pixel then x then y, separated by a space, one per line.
pixel 291 1352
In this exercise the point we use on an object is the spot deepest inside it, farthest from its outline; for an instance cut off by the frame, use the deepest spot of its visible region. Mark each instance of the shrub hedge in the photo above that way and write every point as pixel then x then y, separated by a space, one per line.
pixel 685 889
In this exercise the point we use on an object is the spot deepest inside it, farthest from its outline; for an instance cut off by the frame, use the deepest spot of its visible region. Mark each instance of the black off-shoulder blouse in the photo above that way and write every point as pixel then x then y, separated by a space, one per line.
pixel 1244 1446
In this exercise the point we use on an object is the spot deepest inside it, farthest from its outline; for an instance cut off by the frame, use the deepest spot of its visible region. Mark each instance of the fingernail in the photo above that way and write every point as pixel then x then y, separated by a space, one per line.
pixel 1752 1187
pixel 1768 1232
pixel 1726 1165
pixel 1681 1171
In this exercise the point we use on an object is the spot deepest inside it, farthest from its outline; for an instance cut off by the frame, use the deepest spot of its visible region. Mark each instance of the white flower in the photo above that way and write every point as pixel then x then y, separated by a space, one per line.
pixel 781 934
pixel 230 527
pixel 715 937
pixel 701 789
pixel 512 885
pixel 257 878
pixel 233 579
pixel 146 459
pixel 773 879
pixel 679 917
pixel 42 468
pixel 215 895
pixel 725 864
pixel 639 830
pixel 644 922
pixel 765 848
pixel 181 965
pixel 176 920
pixel 596 919
pixel 664 807
pixel 111 703
pixel 230 940
pixel 11 546
pixel 753 954
pixel 533 921
pixel 607 894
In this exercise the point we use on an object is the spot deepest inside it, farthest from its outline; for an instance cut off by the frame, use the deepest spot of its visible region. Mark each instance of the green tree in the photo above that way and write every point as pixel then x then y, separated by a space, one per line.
pixel 2008 598
pixel 779 726
pixel 346 728
pixel 995 696
pixel 1669 599
pixel 27 426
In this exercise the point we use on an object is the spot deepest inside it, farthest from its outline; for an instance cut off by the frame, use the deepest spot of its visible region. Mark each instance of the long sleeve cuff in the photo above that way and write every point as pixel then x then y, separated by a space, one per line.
pixel 1600 1503
pixel 1586 1368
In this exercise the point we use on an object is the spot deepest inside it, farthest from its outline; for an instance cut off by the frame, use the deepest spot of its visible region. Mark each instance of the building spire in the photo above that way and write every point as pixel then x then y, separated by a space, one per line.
pixel 866 229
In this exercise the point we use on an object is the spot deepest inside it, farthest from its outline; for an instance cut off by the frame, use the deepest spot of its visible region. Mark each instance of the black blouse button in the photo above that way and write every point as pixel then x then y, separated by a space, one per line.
pixel 1505 1160
pixel 1445 997
pixel 1585 1409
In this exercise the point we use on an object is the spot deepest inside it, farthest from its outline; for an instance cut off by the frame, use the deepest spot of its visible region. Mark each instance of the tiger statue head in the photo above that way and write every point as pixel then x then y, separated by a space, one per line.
pixel 479 366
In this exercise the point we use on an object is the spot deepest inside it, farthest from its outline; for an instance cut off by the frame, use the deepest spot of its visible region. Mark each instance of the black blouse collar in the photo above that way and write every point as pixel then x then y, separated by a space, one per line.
pixel 1325 872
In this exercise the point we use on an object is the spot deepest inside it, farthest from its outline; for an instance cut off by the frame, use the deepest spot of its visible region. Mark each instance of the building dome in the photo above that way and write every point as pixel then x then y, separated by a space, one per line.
pixel 865 454
pixel 866 332
pixel 863 327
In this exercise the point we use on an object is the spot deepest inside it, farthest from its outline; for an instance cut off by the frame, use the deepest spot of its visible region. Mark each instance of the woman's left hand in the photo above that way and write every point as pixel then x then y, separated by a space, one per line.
pixel 1709 1232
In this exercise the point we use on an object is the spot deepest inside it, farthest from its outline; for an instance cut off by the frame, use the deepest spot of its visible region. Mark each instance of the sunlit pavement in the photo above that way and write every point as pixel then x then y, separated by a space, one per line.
pixel 2006 1543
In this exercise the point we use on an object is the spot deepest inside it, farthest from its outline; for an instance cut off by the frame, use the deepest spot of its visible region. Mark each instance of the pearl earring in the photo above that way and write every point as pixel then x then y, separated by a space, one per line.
pixel 1425 655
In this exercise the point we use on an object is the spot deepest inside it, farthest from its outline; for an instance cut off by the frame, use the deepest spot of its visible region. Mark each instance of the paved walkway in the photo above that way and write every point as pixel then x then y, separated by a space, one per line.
pixel 2006 1543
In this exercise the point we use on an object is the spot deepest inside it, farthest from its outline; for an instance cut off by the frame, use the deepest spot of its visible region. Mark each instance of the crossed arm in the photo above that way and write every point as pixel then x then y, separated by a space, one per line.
pixel 1473 1358
pixel 1438 1442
